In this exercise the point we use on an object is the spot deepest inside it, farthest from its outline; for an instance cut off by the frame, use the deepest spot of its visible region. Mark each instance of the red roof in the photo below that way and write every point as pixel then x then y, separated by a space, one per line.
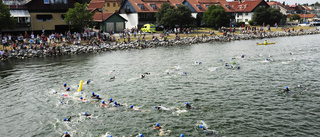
pixel 201 5
pixel 98 16
pixel 146 4
pixel 303 15
pixel 94 5
pixel 246 6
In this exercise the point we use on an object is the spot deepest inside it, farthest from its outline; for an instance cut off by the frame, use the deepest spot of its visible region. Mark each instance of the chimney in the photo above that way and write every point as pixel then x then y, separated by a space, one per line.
pixel 283 3
pixel 296 4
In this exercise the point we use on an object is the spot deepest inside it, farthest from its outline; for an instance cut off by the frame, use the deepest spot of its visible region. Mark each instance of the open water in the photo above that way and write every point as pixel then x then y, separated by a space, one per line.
pixel 232 102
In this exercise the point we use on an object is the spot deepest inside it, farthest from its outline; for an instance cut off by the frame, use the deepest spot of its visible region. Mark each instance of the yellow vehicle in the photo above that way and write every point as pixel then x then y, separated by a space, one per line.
pixel 148 28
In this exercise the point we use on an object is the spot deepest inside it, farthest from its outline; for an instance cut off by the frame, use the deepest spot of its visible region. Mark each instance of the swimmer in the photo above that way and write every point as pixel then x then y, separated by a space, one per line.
pixel 200 63
pixel 67 119
pixel 110 100
pixel 55 92
pixel 208 132
pixel 93 95
pixel 226 64
pixel 238 67
pixel 112 71
pixel 158 107
pixel 147 73
pixel 103 104
pixel 88 81
pixel 287 90
pixel 114 77
pixel 291 53
pixel 185 73
pixel 64 95
pixel 157 126
pixel 96 97
pixel 181 135
pixel 140 135
pixel 142 76
pixel 117 104
pixel 86 114
pixel 68 89
pixel 82 99
pixel 66 135
pixel 299 86
pixel 65 85
pixel 188 105
pixel 242 56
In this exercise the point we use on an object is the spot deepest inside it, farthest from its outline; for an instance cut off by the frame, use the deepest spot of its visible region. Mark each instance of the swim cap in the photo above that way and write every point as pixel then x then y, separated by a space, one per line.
pixel 141 135
pixel 200 126
pixel 131 106
pixel 181 135
pixel 238 66
pixel 266 58
pixel 102 102
pixel 92 93
pixel 286 87
pixel 81 97
pixel 227 64
pixel 65 84
pixel 85 113
pixel 216 68
pixel 77 85
pixel 155 106
pixel 68 88
pixel 55 92
pixel 110 136
pixel 115 102
pixel 61 102
pixel 157 124
pixel 97 95
pixel 66 133
pixel 185 73
pixel 110 99
pixel 62 94
pixel 64 119
pixel 187 103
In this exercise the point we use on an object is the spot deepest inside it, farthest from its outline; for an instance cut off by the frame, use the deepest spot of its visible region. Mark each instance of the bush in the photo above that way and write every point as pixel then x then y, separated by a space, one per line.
pixel 251 22
pixel 240 23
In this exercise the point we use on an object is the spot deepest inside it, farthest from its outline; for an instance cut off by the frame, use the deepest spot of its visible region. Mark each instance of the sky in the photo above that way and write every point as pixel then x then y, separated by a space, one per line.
pixel 292 2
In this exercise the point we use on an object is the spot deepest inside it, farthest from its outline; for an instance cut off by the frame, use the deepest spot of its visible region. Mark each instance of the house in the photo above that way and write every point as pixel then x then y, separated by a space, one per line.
pixel 198 7
pixel 48 15
pixel 19 11
pixel 298 9
pixel 105 6
pixel 305 17
pixel 110 21
pixel 140 12
pixel 279 6
pixel 244 11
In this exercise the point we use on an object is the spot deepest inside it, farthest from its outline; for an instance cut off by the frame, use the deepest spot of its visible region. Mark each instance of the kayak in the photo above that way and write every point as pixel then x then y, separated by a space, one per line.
pixel 266 43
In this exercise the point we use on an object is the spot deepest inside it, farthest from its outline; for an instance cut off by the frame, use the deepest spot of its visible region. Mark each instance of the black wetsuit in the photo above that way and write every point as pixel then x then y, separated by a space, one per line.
pixel 69 119
pixel 188 106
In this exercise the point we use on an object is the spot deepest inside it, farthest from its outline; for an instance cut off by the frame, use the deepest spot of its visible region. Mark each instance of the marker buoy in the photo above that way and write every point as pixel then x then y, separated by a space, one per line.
pixel 80 86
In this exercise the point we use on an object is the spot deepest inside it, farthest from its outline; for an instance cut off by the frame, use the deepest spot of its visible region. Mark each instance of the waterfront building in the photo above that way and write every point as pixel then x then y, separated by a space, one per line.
pixel 110 22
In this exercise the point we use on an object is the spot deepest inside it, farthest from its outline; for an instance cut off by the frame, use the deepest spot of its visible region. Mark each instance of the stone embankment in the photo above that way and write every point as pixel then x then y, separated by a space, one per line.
pixel 79 49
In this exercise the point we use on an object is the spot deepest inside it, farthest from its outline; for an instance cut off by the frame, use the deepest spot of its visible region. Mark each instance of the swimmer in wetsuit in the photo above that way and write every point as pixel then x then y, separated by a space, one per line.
pixel 117 104
pixel 65 85
pixel 110 100
pixel 96 97
pixel 188 105
pixel 103 104
pixel 66 135
pixel 88 81
pixel 86 114
pixel 142 76
pixel 67 119
pixel 93 95
pixel 68 89
pixel 287 90
pixel 82 99
pixel 114 77
pixel 158 107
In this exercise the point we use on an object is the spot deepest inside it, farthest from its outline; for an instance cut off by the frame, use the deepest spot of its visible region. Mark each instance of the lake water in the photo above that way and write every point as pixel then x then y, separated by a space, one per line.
pixel 232 102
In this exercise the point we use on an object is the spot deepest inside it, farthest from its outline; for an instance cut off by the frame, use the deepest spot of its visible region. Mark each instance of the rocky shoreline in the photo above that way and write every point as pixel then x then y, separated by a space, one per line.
pixel 80 49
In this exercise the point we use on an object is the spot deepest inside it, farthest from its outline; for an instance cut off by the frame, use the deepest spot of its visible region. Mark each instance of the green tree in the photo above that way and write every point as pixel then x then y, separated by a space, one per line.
pixel 6 21
pixel 215 16
pixel 184 15
pixel 267 16
pixel 295 17
pixel 317 4
pixel 78 17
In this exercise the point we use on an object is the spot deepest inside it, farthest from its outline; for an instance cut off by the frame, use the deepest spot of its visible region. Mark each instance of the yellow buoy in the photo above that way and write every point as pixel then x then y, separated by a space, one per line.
pixel 80 86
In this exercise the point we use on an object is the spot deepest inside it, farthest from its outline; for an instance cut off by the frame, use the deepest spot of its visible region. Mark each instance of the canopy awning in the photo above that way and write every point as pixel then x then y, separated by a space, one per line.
pixel 19 13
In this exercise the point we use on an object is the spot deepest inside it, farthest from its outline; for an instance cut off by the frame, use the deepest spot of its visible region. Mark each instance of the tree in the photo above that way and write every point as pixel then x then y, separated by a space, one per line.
pixel 5 20
pixel 78 17
pixel 267 16
pixel 215 16
pixel 184 15
pixel 168 16
pixel 295 17
pixel 317 4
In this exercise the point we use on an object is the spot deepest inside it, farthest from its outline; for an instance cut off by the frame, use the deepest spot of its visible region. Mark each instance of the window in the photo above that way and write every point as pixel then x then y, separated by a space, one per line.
pixel 246 20
pixel 114 4
pixel 119 26
pixel 153 6
pixel 108 4
pixel 44 17
pixel 199 7
pixel 141 6
pixel 46 1
pixel 246 13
